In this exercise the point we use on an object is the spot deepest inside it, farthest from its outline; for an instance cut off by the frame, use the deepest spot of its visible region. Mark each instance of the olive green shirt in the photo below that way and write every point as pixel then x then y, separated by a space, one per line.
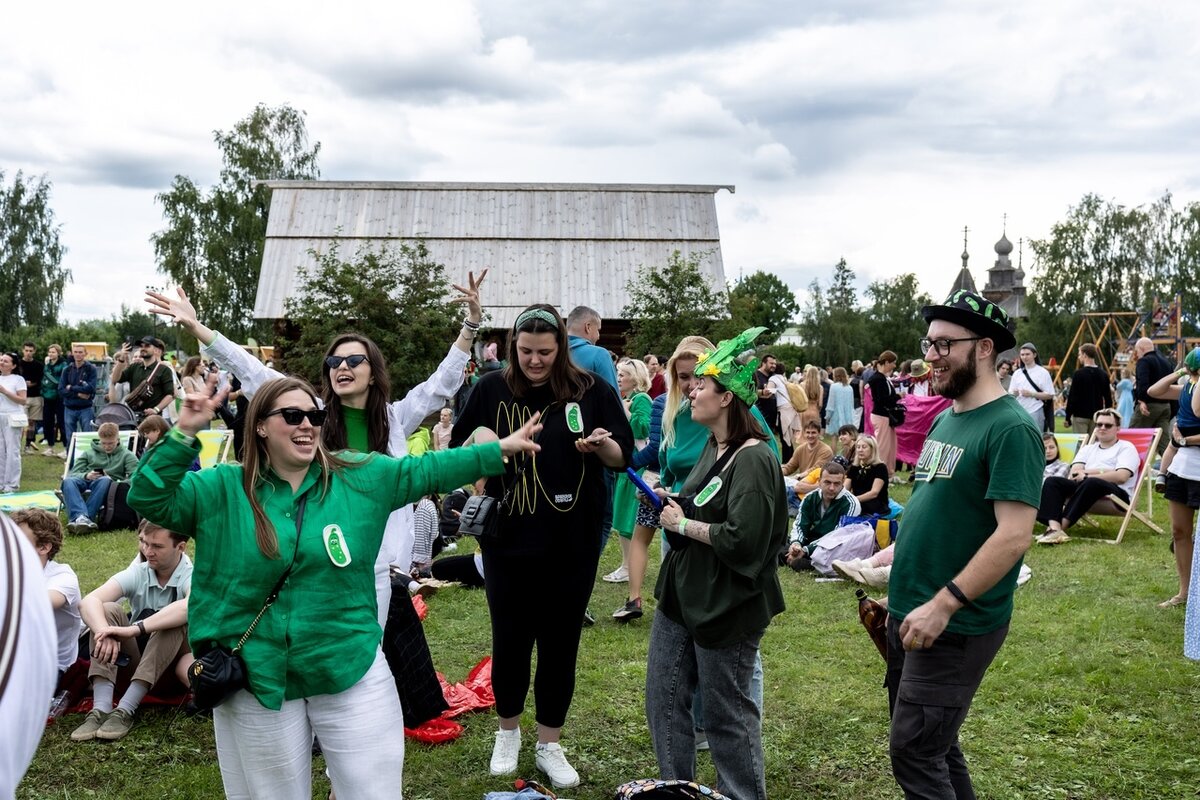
pixel 321 635
pixel 727 591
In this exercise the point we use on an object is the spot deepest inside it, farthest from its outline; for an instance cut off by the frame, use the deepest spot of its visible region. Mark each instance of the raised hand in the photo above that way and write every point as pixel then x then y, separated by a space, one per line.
pixel 470 295
pixel 522 439
pixel 200 407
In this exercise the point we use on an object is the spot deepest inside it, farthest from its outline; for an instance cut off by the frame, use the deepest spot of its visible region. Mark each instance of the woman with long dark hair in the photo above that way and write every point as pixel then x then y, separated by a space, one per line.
pixel 313 659
pixel 540 568
pixel 356 390
pixel 718 588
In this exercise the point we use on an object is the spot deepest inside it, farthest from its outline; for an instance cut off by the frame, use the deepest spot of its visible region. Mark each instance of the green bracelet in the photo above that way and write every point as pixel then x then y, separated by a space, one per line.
pixel 682 526
pixel 182 437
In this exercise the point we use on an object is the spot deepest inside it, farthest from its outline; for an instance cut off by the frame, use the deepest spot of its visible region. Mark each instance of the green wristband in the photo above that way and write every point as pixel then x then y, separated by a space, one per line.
pixel 181 437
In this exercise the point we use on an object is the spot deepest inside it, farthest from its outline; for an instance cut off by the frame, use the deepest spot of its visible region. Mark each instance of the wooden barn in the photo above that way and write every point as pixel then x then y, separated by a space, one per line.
pixel 565 244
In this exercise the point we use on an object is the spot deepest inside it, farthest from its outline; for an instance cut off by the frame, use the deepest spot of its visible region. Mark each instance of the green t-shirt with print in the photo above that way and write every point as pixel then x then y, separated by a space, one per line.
pixel 969 461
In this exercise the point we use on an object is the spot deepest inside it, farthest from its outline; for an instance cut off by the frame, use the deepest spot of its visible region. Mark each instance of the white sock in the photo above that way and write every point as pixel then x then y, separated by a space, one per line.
pixel 133 696
pixel 102 693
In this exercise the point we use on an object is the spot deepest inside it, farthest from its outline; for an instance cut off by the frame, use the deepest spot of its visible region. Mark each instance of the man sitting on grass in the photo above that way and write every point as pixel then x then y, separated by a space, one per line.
pixel 94 471
pixel 819 514
pixel 809 454
pixel 44 532
pixel 156 585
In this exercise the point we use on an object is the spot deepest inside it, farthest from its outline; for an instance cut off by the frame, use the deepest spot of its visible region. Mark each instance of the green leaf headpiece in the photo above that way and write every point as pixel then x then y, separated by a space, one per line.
pixel 733 364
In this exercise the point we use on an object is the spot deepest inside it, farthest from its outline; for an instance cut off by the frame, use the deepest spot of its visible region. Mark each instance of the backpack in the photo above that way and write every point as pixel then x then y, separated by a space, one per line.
pixel 797 397
pixel 116 514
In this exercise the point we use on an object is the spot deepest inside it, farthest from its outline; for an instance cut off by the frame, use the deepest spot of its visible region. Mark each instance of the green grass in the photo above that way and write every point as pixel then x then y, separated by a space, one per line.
pixel 1090 698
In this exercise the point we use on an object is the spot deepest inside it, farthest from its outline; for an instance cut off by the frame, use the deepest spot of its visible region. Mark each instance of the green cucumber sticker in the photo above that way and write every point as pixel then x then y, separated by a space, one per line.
pixel 709 491
pixel 574 418
pixel 335 546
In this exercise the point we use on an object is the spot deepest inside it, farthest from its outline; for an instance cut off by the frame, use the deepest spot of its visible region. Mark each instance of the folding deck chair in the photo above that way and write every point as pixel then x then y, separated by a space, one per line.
pixel 1145 440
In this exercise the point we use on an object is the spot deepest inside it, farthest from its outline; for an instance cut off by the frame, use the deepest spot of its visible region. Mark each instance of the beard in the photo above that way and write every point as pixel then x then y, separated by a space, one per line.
pixel 959 380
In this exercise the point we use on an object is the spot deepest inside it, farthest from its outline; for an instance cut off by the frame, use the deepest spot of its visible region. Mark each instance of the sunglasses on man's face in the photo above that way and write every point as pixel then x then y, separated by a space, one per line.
pixel 333 362
pixel 1106 424
pixel 293 416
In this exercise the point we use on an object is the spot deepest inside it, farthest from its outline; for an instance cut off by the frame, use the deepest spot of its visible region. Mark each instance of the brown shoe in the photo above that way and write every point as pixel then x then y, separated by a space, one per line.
pixel 116 726
pixel 91 723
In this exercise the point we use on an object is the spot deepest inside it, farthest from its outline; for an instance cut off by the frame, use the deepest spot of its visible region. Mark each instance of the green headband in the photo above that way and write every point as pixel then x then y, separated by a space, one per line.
pixel 733 364
pixel 535 313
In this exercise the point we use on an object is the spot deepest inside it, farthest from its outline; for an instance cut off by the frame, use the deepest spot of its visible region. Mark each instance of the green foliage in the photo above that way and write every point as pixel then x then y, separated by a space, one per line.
pixel 397 296
pixel 130 322
pixel 212 245
pixel 837 330
pixel 31 254
pixel 673 301
pixel 762 299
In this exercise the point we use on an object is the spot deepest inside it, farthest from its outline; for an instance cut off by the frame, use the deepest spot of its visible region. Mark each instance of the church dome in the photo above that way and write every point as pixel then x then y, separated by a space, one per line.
pixel 1004 246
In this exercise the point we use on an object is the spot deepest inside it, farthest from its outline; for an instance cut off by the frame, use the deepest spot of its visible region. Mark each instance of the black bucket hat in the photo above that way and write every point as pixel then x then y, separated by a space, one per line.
pixel 976 314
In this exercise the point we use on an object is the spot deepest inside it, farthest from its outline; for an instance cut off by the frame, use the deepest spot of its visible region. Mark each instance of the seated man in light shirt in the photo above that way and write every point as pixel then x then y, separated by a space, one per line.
pixel 45 533
pixel 1106 467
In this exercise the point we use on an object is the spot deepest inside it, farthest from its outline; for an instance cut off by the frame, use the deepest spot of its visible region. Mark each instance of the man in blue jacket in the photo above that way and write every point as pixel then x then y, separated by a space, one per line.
pixel 77 387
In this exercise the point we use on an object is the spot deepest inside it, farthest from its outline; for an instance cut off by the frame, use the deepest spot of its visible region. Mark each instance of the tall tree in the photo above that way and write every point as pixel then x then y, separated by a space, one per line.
pixel 762 299
pixel 212 245
pixel 31 254
pixel 834 328
pixel 672 301
pixel 894 316
pixel 396 295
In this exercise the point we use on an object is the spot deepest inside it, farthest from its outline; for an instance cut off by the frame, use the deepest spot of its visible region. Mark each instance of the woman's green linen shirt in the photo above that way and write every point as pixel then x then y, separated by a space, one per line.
pixel 322 633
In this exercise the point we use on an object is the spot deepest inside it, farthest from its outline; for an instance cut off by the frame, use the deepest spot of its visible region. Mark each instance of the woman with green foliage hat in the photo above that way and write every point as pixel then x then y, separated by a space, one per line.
pixel 718 588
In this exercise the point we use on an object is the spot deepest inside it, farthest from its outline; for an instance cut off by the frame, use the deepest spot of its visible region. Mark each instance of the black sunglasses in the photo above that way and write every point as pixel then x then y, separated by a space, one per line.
pixel 333 362
pixel 293 416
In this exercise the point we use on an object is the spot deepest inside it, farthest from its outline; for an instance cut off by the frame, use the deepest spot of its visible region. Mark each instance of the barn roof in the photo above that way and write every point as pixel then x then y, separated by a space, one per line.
pixel 561 243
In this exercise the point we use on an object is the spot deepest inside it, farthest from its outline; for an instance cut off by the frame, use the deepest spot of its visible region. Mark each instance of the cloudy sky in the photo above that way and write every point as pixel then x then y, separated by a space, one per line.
pixel 859 128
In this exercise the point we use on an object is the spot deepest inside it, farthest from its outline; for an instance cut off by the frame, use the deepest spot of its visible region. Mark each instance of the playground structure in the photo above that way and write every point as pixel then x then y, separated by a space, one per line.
pixel 1115 332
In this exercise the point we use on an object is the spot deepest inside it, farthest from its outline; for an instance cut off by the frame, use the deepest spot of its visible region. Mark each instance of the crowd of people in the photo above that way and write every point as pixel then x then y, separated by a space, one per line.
pixel 328 503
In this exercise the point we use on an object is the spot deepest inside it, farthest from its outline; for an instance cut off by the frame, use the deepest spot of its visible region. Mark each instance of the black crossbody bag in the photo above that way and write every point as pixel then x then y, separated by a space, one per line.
pixel 480 517
pixel 1047 405
pixel 220 672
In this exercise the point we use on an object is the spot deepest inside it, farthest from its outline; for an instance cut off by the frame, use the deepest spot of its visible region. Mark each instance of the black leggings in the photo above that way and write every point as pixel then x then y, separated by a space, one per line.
pixel 457 568
pixel 538 598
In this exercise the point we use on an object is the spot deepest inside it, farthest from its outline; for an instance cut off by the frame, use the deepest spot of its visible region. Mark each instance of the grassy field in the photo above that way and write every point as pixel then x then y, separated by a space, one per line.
pixel 1090 698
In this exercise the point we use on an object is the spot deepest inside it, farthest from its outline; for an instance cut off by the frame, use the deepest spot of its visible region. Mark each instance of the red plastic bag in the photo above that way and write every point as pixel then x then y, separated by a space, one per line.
pixel 421 609
pixel 435 731
pixel 476 693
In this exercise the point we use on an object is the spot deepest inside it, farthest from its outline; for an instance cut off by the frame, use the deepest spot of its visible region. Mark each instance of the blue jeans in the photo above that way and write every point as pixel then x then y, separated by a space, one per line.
pixel 77 419
pixel 73 488
pixel 675 668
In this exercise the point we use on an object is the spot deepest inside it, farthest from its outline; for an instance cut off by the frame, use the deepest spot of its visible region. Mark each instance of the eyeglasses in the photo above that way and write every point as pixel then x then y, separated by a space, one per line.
pixel 943 345
pixel 294 416
pixel 333 362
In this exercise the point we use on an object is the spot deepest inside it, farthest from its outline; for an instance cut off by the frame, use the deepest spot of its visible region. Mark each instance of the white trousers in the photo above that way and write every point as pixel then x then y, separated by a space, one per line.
pixel 267 755
pixel 10 455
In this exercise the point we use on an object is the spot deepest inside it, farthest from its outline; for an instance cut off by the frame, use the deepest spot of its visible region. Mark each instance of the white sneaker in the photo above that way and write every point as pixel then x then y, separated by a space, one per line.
pixel 80 524
pixel 1054 537
pixel 618 575
pixel 553 761
pixel 1024 574
pixel 852 569
pixel 506 752
pixel 877 577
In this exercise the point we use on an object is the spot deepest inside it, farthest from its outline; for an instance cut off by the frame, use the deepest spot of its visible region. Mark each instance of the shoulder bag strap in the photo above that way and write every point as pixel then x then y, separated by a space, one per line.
pixel 279 583
pixel 1036 388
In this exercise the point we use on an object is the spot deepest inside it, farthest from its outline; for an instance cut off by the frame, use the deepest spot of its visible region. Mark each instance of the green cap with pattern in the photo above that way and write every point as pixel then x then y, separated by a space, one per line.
pixel 733 364
pixel 977 314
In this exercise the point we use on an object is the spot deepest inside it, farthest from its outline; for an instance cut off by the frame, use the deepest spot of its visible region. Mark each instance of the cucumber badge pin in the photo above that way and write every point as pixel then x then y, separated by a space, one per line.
pixel 574 418
pixel 335 546
pixel 708 491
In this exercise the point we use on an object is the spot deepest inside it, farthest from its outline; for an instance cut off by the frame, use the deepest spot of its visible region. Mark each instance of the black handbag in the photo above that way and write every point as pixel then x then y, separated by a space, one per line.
pixel 896 414
pixel 219 671
pixel 480 517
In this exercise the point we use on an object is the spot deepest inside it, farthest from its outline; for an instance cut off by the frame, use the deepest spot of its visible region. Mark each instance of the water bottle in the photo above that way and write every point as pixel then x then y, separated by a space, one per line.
pixel 59 705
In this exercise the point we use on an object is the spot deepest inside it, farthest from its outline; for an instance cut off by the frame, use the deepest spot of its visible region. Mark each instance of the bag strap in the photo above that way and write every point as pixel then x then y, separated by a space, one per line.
pixel 719 465
pixel 1036 388
pixel 279 583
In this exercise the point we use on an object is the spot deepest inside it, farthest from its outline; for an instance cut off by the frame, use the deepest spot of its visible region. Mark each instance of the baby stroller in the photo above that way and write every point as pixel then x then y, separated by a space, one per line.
pixel 119 414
